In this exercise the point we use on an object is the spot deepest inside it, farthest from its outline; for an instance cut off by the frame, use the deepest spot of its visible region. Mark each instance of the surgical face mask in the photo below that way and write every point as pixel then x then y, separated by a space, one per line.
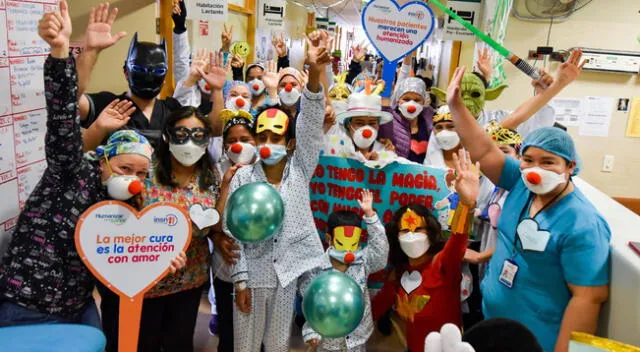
pixel 364 137
pixel 241 153
pixel 122 187
pixel 289 96
pixel 414 244
pixel 345 257
pixel 256 86
pixel 339 106
pixel 410 110
pixel 237 103
pixel 271 154
pixel 188 153
pixel 447 139
pixel 541 181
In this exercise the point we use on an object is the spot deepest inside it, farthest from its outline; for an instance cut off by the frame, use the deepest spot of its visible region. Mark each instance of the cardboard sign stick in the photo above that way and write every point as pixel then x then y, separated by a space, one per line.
pixel 129 324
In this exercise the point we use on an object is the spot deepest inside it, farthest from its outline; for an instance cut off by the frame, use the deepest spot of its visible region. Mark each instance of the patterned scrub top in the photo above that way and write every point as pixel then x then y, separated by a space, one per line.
pixel 196 272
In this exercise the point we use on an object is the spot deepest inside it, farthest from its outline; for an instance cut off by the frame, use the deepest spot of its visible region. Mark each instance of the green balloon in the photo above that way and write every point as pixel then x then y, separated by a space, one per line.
pixel 333 304
pixel 254 212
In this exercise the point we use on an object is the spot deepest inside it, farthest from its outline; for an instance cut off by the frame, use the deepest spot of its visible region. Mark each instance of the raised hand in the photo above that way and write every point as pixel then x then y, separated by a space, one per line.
pixel 198 61
pixel 279 44
pixel 218 71
pixel 98 34
pixel 318 49
pixel 570 70
pixel 115 115
pixel 484 63
pixel 270 76
pixel 237 61
pixel 55 27
pixel 226 37
pixel 467 178
pixel 175 8
pixel 358 53
pixel 540 85
pixel 366 203
pixel 454 97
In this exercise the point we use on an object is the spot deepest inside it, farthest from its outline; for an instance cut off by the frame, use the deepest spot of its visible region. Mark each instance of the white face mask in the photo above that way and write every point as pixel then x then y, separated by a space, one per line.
pixel 364 137
pixel 204 87
pixel 289 98
pixel 187 154
pixel 237 103
pixel 122 187
pixel 410 110
pixel 541 181
pixel 339 106
pixel 414 244
pixel 241 153
pixel 447 139
pixel 256 86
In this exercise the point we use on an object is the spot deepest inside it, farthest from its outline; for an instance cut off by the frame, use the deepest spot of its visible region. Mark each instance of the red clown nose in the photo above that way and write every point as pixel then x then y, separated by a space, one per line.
pixel 411 109
pixel 135 187
pixel 240 103
pixel 236 148
pixel 256 87
pixel 534 178
pixel 207 87
pixel 349 258
pixel 367 133
pixel 265 152
pixel 288 88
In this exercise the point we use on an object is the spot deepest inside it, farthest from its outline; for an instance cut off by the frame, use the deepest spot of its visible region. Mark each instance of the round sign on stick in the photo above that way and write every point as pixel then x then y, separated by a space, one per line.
pixel 333 304
pixel 129 252
pixel 254 212
pixel 396 31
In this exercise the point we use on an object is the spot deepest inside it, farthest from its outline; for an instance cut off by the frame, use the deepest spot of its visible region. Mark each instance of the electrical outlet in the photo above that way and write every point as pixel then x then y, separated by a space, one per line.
pixel 607 165
pixel 533 55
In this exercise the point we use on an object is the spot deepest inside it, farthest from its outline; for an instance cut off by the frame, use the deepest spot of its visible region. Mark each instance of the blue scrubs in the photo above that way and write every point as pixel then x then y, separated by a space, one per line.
pixel 577 253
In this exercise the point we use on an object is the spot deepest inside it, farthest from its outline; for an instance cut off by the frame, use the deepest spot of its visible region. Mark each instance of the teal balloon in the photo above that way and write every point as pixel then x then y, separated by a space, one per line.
pixel 254 212
pixel 333 304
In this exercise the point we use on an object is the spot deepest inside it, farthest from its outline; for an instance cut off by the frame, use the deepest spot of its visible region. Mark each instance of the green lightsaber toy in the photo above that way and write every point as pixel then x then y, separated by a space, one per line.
pixel 522 65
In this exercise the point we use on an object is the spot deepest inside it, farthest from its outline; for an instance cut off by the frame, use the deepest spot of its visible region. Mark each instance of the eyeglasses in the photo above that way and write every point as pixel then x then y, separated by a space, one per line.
pixel 156 71
pixel 182 135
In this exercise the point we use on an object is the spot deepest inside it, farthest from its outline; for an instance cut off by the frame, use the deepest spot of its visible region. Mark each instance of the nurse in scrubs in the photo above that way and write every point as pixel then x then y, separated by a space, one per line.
pixel 550 269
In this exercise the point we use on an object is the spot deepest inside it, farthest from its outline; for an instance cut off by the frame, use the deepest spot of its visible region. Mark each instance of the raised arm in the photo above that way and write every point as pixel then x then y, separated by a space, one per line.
pixel 567 73
pixel 281 50
pixel 472 135
pixel 187 92
pixel 97 37
pixel 181 48
pixel 354 66
pixel 377 250
pixel 216 78
pixel 111 118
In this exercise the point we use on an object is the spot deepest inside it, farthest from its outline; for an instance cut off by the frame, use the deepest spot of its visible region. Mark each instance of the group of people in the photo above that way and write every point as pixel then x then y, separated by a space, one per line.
pixel 544 255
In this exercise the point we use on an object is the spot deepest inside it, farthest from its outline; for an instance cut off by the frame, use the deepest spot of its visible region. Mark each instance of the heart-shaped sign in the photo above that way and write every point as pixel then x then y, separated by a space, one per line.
pixel 411 281
pixel 395 30
pixel 128 251
pixel 203 218
pixel 531 237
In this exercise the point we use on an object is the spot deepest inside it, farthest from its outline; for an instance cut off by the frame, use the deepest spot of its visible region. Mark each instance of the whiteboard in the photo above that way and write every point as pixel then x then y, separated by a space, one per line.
pixel 23 114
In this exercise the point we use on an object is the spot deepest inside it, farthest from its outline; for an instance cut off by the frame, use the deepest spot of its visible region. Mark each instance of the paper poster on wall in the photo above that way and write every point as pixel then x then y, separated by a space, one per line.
pixel 271 14
pixel 468 10
pixel 130 252
pixel 209 10
pixel 264 49
pixel 596 118
pixel 567 110
pixel 633 125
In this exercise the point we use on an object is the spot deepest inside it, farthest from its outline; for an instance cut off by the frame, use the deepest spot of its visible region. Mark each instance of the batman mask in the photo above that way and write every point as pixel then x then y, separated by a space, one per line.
pixel 146 67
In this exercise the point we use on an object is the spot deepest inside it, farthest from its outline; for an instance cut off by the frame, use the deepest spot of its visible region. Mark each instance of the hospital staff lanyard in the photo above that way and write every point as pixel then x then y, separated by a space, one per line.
pixel 516 238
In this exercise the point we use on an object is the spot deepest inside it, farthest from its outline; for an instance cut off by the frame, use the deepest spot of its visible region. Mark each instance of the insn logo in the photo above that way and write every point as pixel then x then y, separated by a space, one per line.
pixel 419 15
pixel 170 219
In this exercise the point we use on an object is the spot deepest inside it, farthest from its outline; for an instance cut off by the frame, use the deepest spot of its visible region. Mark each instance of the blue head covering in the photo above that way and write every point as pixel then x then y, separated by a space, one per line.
pixel 555 141
pixel 125 142
pixel 229 85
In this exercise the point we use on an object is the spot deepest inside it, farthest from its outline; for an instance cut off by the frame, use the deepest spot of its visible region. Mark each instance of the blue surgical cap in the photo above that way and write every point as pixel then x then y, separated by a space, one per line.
pixel 556 141
pixel 229 85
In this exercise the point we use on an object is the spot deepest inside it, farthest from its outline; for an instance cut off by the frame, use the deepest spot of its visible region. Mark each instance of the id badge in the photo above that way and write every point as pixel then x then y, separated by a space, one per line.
pixel 509 272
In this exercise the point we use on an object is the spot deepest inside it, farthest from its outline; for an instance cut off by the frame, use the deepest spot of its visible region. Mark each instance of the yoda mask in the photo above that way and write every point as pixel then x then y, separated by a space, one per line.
pixel 474 93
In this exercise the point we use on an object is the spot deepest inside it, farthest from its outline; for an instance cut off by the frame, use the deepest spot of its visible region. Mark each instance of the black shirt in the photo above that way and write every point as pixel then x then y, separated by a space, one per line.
pixel 152 129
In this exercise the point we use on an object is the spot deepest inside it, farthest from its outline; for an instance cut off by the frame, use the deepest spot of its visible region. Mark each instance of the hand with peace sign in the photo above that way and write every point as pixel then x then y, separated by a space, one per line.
pixel 218 71
pixel 226 37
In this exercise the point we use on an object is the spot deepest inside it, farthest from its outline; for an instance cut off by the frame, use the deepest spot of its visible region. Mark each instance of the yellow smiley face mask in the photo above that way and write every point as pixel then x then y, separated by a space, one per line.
pixel 347 238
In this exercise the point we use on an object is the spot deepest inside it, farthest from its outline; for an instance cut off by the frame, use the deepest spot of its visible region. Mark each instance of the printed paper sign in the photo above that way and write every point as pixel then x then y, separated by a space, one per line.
pixel 271 14
pixel 468 10
pixel 211 10
pixel 129 252
pixel 338 183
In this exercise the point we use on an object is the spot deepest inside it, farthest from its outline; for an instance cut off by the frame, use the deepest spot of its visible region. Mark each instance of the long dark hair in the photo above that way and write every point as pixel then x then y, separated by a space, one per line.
pixel 163 170
pixel 397 257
